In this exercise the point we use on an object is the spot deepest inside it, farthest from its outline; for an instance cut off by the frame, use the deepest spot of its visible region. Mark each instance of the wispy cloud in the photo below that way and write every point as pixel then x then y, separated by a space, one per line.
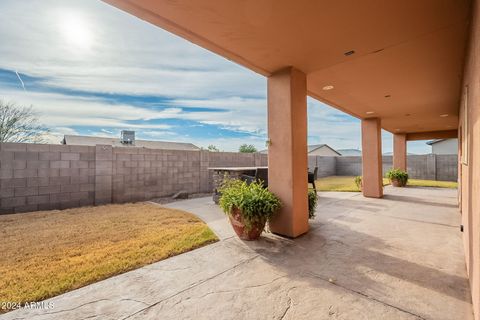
pixel 129 74
pixel 127 55
pixel 20 79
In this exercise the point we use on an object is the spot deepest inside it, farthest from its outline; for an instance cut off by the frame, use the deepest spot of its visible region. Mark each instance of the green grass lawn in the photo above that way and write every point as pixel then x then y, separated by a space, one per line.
pixel 432 183
pixel 347 183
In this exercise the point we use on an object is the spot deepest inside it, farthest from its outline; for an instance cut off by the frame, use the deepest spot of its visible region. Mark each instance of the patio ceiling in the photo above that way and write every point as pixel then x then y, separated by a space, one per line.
pixel 407 60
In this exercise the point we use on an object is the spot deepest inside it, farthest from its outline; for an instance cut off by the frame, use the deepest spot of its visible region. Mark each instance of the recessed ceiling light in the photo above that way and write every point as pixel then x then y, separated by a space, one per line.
pixel 397 129
pixel 349 53
pixel 449 126
pixel 326 88
pixel 444 115
pixel 370 112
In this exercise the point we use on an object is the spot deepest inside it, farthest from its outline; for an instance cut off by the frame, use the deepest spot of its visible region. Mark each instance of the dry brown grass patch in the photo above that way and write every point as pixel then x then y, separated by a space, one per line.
pixel 50 252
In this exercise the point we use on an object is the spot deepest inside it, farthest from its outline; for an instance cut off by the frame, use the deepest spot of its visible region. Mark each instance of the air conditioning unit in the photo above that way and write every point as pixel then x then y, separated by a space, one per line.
pixel 127 137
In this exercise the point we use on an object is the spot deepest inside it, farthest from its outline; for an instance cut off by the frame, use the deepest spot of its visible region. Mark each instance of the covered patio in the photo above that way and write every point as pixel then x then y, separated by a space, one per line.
pixel 399 257
pixel 408 67
pixel 395 65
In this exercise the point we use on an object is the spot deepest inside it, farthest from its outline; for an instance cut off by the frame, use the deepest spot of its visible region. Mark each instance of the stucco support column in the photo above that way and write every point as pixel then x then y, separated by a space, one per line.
pixel 372 158
pixel 287 153
pixel 400 151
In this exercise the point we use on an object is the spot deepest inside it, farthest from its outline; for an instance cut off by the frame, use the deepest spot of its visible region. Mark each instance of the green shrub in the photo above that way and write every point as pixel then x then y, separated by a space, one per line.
pixel 256 203
pixel 397 174
pixel 247 148
pixel 358 182
pixel 312 203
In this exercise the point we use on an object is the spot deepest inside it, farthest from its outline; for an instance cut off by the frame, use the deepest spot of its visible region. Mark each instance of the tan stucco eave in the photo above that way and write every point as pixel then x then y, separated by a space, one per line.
pixel 446 134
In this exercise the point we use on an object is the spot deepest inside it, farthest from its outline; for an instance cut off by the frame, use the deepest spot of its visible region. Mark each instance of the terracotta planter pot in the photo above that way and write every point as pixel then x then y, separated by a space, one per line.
pixel 397 183
pixel 236 219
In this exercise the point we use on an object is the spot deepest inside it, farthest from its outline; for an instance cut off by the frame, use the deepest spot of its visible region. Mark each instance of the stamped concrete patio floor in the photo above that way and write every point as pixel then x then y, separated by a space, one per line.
pixel 400 257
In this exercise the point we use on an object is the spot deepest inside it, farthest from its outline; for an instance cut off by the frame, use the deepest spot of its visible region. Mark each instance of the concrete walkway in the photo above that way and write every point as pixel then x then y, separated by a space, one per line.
pixel 400 257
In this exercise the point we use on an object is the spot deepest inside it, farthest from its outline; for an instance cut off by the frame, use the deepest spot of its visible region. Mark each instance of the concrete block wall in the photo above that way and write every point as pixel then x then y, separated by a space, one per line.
pixel 387 164
pixel 231 159
pixel 447 168
pixel 228 159
pixel 43 177
pixel 428 166
pixel 205 174
pixel 348 166
pixel 422 166
pixel 140 174
pixel 261 160
pixel 103 174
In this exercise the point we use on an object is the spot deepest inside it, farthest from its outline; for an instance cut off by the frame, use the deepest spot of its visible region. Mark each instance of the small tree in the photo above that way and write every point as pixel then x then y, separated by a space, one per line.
pixel 247 148
pixel 20 124
pixel 212 148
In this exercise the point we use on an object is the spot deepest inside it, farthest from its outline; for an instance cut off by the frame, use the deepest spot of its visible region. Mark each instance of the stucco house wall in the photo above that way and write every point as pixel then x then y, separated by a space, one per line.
pixel 469 158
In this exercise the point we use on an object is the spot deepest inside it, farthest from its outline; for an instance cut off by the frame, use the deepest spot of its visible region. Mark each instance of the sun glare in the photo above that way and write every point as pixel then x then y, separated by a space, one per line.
pixel 76 31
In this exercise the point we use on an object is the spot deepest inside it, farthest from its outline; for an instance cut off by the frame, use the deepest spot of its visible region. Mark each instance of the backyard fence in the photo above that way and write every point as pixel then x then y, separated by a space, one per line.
pixel 44 177
pixel 429 166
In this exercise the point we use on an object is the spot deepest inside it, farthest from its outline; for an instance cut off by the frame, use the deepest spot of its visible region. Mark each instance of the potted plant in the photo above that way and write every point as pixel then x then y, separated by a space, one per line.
pixel 358 182
pixel 312 203
pixel 248 206
pixel 398 178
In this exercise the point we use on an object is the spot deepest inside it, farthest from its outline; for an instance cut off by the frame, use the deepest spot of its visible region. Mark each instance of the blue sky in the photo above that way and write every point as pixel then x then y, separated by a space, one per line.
pixel 88 68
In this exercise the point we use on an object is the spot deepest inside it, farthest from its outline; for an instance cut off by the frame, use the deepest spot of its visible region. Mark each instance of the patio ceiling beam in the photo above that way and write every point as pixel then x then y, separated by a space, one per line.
pixel 445 134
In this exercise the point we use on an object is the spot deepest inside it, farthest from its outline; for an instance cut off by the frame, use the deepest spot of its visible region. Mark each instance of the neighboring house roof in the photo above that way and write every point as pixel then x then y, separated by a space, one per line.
pixel 314 147
pixel 91 141
pixel 350 152
pixel 435 141
pixel 311 148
